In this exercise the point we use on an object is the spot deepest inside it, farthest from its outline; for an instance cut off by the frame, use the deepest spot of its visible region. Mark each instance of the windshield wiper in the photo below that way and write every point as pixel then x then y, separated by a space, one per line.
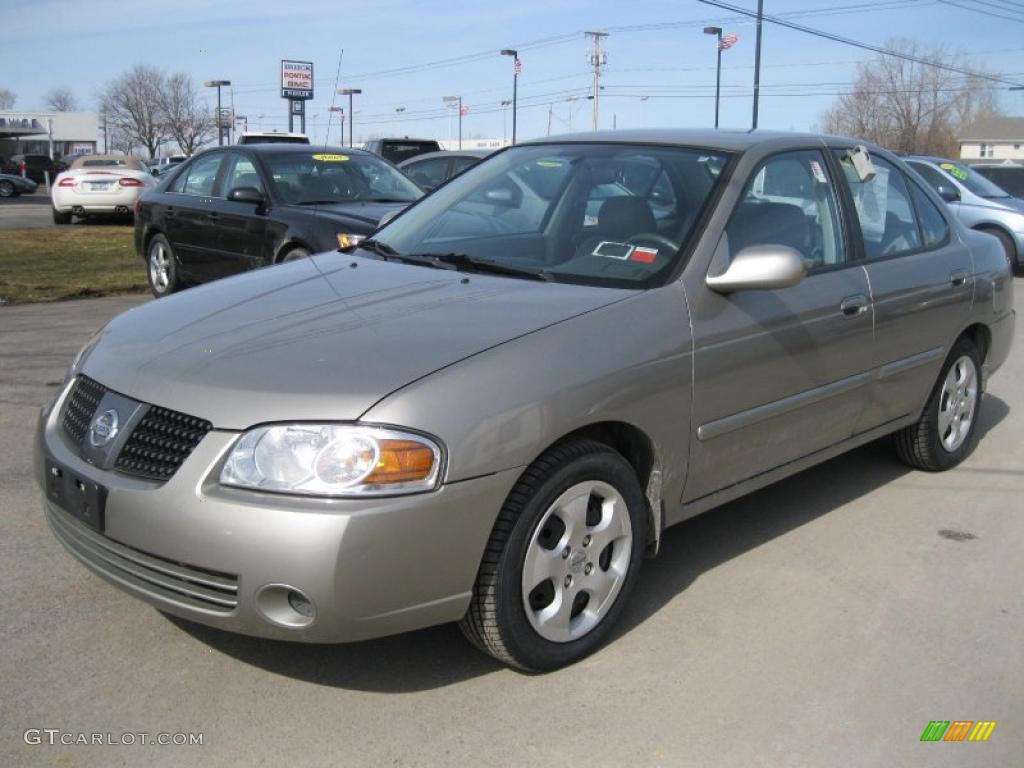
pixel 380 200
pixel 376 246
pixel 467 263
pixel 319 202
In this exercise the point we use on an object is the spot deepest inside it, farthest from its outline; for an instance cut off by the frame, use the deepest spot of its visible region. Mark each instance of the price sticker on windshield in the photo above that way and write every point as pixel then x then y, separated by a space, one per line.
pixel 331 158
pixel 955 171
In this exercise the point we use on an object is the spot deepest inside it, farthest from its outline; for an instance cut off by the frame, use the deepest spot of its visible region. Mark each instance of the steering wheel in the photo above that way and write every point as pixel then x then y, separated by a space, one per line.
pixel 658 241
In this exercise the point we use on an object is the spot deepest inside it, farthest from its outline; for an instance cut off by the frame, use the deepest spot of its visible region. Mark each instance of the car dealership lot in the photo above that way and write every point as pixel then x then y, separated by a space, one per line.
pixel 822 621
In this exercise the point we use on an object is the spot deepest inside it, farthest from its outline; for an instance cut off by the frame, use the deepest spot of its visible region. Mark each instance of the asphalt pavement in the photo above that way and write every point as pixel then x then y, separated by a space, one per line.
pixel 821 622
pixel 34 212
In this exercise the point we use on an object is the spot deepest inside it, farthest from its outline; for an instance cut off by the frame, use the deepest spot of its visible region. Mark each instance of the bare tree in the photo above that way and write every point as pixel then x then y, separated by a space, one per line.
pixel 61 100
pixel 7 98
pixel 909 106
pixel 131 103
pixel 187 120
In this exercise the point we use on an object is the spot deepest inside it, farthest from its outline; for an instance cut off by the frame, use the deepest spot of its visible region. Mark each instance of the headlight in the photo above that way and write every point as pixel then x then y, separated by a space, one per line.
pixel 349 241
pixel 332 460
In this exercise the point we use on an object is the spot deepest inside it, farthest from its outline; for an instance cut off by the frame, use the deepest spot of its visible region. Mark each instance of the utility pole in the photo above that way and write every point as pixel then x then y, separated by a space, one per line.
pixel 757 62
pixel 597 58
pixel 551 107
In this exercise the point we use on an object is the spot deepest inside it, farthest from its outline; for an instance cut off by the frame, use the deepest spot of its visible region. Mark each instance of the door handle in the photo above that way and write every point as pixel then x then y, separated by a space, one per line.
pixel 852 306
pixel 958 278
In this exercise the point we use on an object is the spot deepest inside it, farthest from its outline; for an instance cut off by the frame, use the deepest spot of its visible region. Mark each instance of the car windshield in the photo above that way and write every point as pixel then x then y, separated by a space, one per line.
pixel 973 180
pixel 323 177
pixel 597 214
pixel 1010 178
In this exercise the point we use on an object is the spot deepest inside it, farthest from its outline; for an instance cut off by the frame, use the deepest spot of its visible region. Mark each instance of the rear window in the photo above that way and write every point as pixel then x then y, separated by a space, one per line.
pixel 397 151
pixel 101 163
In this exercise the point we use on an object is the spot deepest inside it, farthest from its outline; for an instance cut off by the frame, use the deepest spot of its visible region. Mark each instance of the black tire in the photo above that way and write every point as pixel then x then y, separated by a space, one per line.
pixel 61 218
pixel 1009 248
pixel 7 189
pixel 160 260
pixel 293 254
pixel 920 445
pixel 496 621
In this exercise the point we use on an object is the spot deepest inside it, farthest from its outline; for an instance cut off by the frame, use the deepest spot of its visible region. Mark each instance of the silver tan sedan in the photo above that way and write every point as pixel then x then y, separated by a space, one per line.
pixel 490 411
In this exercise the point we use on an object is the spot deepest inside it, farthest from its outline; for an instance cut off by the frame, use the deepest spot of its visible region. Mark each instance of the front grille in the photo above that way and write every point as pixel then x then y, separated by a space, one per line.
pixel 82 404
pixel 156 447
pixel 160 443
pixel 153 576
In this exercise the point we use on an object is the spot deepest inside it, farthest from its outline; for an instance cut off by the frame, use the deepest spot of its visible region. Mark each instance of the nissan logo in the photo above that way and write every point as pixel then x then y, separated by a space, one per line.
pixel 103 428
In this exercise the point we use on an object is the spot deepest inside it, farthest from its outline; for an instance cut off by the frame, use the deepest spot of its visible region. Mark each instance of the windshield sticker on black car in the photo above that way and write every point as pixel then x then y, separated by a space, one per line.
pixel 644 255
pixel 331 158
pixel 611 250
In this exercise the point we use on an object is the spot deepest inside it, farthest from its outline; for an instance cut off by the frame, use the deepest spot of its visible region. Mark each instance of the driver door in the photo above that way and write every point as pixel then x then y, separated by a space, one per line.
pixel 779 374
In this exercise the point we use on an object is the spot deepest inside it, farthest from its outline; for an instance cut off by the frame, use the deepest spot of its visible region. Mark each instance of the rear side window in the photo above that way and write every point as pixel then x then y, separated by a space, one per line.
pixel 887 221
pixel 429 173
pixel 934 228
pixel 201 177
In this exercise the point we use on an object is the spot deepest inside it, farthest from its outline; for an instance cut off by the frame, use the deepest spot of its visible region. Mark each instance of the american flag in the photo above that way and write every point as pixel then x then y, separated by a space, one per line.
pixel 464 111
pixel 518 67
pixel 727 42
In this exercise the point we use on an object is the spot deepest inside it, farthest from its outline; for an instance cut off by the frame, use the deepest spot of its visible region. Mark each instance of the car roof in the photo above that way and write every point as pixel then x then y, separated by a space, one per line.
pixel 298 149
pixel 478 153
pixel 736 141
pixel 129 162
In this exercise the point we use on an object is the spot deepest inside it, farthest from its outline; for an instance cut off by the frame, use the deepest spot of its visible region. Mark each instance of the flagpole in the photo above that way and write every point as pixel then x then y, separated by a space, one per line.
pixel 718 78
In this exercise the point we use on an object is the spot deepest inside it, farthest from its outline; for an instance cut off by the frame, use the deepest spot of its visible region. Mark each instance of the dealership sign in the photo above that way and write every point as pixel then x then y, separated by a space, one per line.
pixel 296 79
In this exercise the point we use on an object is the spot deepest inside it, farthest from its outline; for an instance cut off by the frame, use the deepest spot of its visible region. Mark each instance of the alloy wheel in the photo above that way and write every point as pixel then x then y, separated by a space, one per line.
pixel 159 267
pixel 958 403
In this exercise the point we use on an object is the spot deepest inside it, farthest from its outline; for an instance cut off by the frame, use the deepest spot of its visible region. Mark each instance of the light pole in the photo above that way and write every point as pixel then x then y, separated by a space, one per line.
pixel 504 116
pixel 218 84
pixel 515 84
pixel 757 64
pixel 341 114
pixel 350 92
pixel 457 100
pixel 717 32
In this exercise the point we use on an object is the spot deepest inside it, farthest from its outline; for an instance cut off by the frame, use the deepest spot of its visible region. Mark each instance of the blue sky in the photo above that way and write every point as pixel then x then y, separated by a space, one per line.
pixel 83 43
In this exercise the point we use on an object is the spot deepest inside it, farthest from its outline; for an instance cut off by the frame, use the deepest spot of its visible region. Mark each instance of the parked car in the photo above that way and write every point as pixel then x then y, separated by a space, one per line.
pixel 432 169
pixel 397 150
pixel 12 185
pixel 161 165
pixel 977 202
pixel 272 137
pixel 34 167
pixel 234 209
pixel 99 185
pixel 1007 176
pixel 490 411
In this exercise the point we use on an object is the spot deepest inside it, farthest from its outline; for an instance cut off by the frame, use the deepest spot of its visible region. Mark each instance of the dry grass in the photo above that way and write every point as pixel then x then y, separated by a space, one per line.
pixel 68 263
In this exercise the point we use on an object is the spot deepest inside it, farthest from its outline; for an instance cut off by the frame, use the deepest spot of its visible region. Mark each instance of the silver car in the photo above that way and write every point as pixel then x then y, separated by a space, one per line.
pixel 491 410
pixel 978 202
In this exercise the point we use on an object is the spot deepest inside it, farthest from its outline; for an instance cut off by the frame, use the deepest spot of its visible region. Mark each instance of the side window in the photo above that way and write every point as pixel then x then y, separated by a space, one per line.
pixel 933 223
pixel 935 178
pixel 459 164
pixel 201 178
pixel 429 173
pixel 790 201
pixel 886 216
pixel 242 173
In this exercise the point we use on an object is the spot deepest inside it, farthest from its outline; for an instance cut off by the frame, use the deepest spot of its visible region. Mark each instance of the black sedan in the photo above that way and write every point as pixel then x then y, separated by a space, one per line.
pixel 435 168
pixel 237 208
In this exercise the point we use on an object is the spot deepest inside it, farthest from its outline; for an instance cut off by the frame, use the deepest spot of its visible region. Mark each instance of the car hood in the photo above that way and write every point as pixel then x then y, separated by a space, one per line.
pixel 322 338
pixel 366 215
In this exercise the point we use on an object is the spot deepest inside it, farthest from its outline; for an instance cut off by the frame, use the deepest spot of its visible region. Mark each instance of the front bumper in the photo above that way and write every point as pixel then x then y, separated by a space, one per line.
pixel 192 548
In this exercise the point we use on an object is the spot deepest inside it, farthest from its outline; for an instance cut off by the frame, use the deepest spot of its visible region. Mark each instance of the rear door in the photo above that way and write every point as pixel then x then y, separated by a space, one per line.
pixel 921 285
pixel 779 374
pixel 190 226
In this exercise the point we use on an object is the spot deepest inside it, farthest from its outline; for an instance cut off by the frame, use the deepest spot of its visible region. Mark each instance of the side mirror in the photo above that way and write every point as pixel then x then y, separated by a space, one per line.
pixel 246 195
pixel 948 193
pixel 760 268
pixel 499 196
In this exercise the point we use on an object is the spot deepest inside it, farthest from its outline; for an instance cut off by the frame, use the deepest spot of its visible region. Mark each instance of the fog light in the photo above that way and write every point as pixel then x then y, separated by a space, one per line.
pixel 300 604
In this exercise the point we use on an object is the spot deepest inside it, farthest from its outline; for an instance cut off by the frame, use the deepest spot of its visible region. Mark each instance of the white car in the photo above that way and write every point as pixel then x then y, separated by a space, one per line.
pixel 99 184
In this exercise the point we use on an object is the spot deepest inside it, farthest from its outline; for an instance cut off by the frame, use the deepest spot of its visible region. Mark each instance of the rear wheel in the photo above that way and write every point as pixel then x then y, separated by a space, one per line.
pixel 61 218
pixel 7 189
pixel 160 267
pixel 561 560
pixel 947 430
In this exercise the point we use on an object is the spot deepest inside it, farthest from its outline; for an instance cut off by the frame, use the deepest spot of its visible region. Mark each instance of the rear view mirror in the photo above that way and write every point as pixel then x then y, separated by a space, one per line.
pixel 948 193
pixel 760 268
pixel 246 195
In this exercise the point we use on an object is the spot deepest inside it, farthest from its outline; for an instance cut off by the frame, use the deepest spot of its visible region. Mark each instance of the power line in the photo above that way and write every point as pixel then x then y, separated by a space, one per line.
pixel 865 46
pixel 1018 19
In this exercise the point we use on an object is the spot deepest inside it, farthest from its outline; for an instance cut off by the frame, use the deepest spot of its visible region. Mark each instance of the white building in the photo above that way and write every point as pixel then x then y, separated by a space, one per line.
pixel 56 134
pixel 993 139
pixel 491 144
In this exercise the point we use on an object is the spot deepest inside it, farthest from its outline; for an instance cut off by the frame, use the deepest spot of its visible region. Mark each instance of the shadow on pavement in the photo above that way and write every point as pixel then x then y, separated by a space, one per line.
pixel 440 656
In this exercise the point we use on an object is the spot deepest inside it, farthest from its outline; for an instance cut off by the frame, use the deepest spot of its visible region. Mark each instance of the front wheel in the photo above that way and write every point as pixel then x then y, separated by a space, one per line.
pixel 161 268
pixel 947 429
pixel 561 560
